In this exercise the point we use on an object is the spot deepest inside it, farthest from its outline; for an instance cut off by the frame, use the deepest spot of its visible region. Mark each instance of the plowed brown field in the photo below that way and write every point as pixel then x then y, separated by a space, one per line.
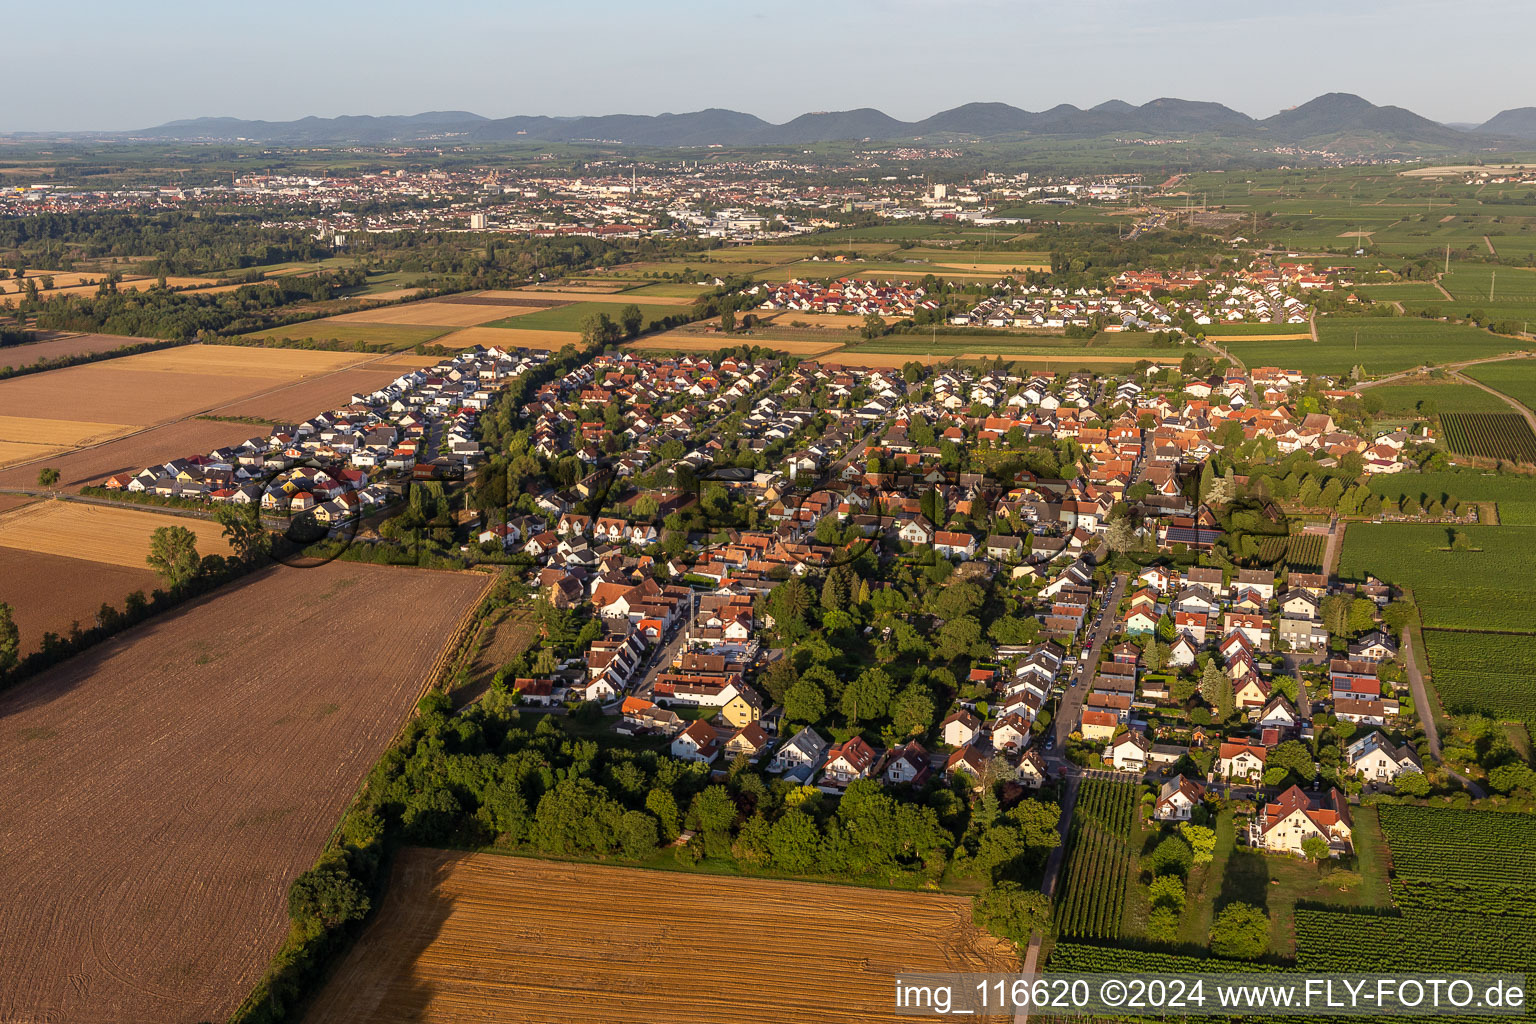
pixel 164 790
pixel 49 592
pixel 476 937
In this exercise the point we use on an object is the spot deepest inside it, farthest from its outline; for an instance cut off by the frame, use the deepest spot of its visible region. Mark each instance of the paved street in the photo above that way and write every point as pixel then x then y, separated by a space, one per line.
pixel 1071 704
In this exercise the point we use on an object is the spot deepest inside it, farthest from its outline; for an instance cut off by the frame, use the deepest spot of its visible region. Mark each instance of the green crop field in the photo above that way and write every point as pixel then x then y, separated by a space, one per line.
pixel 1304 552
pixel 1384 345
pixel 570 318
pixel 396 336
pixel 1498 435
pixel 1489 673
pixel 1486 587
pixel 1259 329
pixel 1445 858
pixel 1406 291
pixel 1470 283
pixel 1404 399
pixel 1515 377
pixel 1514 494
pixel 1099 860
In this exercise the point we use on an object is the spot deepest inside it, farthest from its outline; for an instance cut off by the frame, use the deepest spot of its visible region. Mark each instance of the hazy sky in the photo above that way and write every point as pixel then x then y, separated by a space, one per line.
pixel 119 65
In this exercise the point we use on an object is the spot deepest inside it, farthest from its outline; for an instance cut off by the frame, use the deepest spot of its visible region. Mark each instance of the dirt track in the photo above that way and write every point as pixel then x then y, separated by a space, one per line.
pixel 163 790
pixel 466 937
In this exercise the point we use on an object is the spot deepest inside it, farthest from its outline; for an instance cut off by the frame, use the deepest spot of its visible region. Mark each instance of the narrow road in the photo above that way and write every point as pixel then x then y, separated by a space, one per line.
pixel 1335 542
pixel 1530 417
pixel 1420 695
pixel 1417 371
pixel 1427 714
pixel 1048 885
pixel 1072 701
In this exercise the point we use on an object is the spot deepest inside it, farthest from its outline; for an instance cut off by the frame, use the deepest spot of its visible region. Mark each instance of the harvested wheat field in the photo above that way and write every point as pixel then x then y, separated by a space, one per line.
pixel 158 386
pixel 510 337
pixel 1304 336
pixel 23 439
pixel 841 321
pixel 477 937
pixel 428 313
pixel 322 394
pixel 99 533
pixel 165 788
pixel 50 593
pixel 85 466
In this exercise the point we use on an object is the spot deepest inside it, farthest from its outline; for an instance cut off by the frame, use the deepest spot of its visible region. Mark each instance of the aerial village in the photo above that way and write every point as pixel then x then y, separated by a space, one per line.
pixel 717 497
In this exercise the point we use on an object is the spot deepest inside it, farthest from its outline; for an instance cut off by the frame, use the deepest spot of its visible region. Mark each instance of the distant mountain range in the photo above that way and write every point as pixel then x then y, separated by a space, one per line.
pixel 1340 121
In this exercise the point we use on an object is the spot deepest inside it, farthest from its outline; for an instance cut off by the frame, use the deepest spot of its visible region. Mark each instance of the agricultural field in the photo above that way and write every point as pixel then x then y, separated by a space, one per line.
pixel 109 534
pixel 691 341
pixel 93 465
pixel 640 296
pixel 64 345
pixel 395 336
pixel 1513 494
pixel 1485 587
pixel 180 851
pixel 1444 858
pixel 473 937
pixel 1489 673
pixel 1100 861
pixel 506 337
pixel 49 593
pixel 1502 435
pixel 70 417
pixel 570 317
pixel 1415 292
pixel 1385 345
pixel 428 313
pixel 1405 399
pixel 1515 377
pixel 1304 552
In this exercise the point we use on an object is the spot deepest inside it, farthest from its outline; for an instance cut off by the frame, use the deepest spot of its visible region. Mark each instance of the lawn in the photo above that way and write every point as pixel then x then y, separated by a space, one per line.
pixel 1276 883
pixel 570 318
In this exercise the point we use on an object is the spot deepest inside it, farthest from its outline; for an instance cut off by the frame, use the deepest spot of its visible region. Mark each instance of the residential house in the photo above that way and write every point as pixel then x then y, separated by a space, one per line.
pixel 1295 816
pixel 1177 799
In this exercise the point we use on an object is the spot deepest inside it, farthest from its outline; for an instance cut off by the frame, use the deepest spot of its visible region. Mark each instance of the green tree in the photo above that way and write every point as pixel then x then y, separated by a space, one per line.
pixel 631 319
pixel 1167 891
pixel 1240 932
pixel 1011 911
pixel 248 539
pixel 912 711
pixel 1415 783
pixel 47 477
pixel 728 321
pixel 1202 841
pixel 173 554
pixel 325 897
pixel 874 326
pixel 1216 688
pixel 1294 757
pixel 806 701
pixel 10 640
pixel 867 696
pixel 637 835
pixel 1172 856
pixel 1315 849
